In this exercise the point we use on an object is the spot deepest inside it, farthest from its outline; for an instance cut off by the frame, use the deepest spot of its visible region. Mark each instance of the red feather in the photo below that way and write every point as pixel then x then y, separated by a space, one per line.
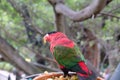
pixel 84 68
pixel 60 39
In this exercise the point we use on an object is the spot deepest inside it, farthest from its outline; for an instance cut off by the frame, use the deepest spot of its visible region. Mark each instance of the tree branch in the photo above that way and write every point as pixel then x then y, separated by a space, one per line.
pixel 111 15
pixel 31 29
pixel 93 9
pixel 11 55
pixel 59 18
pixel 44 68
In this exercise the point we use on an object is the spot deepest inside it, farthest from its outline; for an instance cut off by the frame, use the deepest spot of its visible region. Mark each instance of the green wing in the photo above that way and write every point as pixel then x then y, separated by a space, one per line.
pixel 68 57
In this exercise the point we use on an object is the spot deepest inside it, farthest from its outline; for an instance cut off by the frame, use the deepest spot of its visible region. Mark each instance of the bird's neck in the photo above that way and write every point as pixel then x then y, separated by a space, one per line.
pixel 61 41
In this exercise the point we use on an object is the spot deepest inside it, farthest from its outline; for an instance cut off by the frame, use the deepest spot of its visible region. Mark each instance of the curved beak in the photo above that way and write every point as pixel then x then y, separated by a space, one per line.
pixel 44 38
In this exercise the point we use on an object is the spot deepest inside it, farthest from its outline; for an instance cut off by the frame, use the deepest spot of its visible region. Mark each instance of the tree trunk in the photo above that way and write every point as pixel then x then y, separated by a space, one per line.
pixel 91 48
pixel 12 55
pixel 59 18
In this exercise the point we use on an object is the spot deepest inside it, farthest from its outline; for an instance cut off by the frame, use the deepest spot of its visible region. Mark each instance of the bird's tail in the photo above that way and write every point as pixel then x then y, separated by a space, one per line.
pixel 85 73
pixel 90 77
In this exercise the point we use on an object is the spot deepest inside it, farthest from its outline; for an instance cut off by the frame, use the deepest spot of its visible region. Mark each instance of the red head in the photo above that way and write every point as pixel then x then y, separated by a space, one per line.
pixel 57 38
pixel 53 36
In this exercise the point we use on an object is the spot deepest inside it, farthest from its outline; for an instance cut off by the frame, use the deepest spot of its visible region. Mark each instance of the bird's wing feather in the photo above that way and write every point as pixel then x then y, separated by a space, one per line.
pixel 66 56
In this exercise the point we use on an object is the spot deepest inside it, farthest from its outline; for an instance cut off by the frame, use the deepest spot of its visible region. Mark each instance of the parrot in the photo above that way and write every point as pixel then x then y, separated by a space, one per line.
pixel 68 56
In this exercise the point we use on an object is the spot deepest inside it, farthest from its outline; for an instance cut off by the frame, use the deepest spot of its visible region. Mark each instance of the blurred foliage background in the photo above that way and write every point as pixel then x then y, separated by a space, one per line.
pixel 106 26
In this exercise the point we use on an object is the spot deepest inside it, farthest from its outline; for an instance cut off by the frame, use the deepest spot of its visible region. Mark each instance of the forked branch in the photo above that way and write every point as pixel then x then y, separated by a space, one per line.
pixel 92 10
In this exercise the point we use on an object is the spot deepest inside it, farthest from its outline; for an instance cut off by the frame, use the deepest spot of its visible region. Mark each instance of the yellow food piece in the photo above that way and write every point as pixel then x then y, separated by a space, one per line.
pixel 50 79
pixel 45 72
pixel 74 77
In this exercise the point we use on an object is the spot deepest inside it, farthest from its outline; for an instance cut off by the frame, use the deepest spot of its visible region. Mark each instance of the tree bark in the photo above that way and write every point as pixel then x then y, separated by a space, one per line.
pixel 11 55
pixel 59 18
pixel 91 48
pixel 92 10
pixel 59 22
